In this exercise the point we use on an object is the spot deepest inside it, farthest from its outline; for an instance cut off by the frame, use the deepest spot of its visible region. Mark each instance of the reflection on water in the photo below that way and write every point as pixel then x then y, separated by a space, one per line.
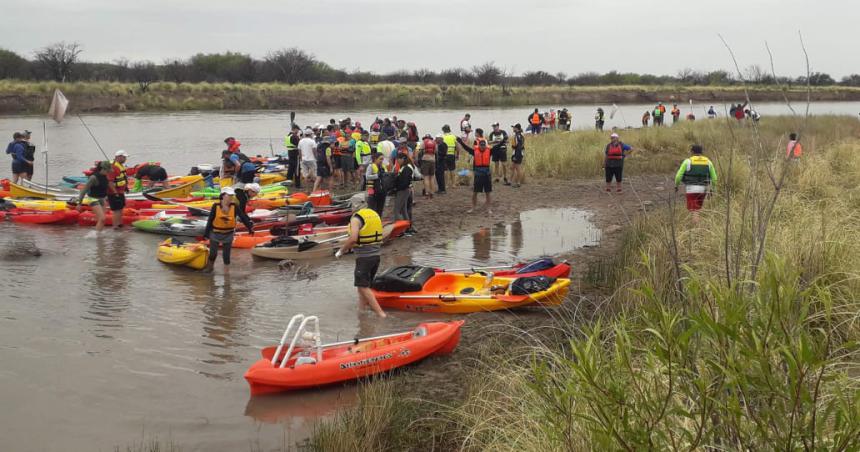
pixel 539 232
pixel 101 329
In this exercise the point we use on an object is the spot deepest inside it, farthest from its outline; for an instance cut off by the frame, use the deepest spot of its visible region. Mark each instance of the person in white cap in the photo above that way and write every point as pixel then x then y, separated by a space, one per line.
pixel 221 225
pixel 613 162
pixel 118 187
pixel 307 159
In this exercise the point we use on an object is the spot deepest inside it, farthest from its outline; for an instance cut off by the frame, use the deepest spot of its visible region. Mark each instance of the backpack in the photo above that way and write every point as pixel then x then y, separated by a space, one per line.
pixel 387 181
pixel 531 284
pixel 416 175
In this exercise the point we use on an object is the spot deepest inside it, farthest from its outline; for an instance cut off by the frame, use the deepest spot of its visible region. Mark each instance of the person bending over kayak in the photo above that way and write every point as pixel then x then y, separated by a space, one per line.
pixel 221 226
pixel 613 161
pixel 97 189
pixel 152 173
pixel 698 174
pixel 365 239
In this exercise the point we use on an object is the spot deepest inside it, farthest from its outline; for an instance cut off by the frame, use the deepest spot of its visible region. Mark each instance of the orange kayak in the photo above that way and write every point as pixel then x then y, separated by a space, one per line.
pixel 319 365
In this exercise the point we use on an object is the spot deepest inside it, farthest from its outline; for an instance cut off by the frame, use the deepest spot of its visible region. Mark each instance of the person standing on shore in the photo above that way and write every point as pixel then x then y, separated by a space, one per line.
pixel 518 146
pixel 466 123
pixel 323 157
pixel 613 161
pixel 793 150
pixel 698 174
pixel 403 190
pixel 658 116
pixel 676 113
pixel 441 155
pixel 375 195
pixel 483 180
pixel 365 239
pixel 645 118
pixel 499 148
pixel 453 154
pixel 307 160
pixel 535 121
pixel 118 187
pixel 291 142
pixel 712 113
pixel 427 158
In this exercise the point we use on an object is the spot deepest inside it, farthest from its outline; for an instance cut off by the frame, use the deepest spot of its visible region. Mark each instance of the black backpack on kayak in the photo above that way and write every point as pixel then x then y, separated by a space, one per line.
pixel 531 284
pixel 406 278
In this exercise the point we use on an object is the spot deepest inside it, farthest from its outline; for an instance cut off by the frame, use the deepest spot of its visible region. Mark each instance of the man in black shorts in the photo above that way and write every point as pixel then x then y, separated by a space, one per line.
pixel 499 145
pixel 613 161
pixel 481 169
pixel 365 239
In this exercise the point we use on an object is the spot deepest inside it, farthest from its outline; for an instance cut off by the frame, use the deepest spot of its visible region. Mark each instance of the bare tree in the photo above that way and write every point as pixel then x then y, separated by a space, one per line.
pixel 488 74
pixel 144 73
pixel 294 65
pixel 59 59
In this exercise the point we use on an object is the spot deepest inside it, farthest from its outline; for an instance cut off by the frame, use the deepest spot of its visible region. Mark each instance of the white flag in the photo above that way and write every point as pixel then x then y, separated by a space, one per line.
pixel 59 104
pixel 614 110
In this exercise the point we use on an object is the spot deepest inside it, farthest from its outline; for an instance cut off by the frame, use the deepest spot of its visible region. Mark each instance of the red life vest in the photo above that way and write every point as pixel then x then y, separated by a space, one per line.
pixel 429 146
pixel 482 158
pixel 535 119
pixel 233 146
pixel 615 151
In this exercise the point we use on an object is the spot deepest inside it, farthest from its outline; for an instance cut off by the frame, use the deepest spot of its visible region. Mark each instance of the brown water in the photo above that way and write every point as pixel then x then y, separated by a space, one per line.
pixel 101 345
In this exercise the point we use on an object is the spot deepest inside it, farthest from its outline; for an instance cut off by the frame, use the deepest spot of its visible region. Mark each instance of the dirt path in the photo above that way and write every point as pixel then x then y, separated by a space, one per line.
pixel 443 218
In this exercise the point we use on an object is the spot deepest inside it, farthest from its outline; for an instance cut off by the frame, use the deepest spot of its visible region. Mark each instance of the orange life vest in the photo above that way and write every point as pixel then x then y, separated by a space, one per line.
pixel 429 146
pixel 482 158
pixel 535 119
pixel 224 221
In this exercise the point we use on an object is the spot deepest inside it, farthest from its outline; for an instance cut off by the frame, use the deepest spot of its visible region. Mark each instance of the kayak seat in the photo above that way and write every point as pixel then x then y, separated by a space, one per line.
pixel 467 290
pixel 406 278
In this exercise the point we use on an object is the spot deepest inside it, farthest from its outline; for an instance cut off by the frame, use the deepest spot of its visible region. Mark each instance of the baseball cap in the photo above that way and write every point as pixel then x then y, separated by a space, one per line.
pixel 228 191
pixel 438 135
pixel 120 153
pixel 255 187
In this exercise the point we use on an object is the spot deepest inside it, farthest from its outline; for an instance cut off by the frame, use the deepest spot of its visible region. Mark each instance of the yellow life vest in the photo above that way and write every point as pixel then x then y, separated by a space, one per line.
pixel 371 229
pixel 121 180
pixel 369 183
pixel 224 222
pixel 450 141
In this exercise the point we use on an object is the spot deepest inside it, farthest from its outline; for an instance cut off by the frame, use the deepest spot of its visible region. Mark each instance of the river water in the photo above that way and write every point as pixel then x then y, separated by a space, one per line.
pixel 103 346
pixel 181 140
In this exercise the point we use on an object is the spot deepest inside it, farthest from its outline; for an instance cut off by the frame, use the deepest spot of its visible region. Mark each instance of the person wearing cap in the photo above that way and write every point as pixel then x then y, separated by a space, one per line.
pixel 291 142
pixel 96 188
pixel 307 159
pixel 518 146
pixel 221 225
pixel 698 175
pixel 613 161
pixel 426 153
pixel 19 149
pixel 498 142
pixel 118 187
pixel 441 156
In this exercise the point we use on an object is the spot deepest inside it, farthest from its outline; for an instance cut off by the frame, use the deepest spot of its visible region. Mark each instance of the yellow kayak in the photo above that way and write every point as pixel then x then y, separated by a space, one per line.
pixel 180 191
pixel 46 205
pixel 192 255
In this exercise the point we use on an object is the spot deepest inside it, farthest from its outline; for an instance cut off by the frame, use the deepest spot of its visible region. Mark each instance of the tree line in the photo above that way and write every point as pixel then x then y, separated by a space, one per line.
pixel 62 62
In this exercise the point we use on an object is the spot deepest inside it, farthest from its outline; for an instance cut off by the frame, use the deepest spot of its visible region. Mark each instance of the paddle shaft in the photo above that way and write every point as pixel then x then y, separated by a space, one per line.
pixel 93 137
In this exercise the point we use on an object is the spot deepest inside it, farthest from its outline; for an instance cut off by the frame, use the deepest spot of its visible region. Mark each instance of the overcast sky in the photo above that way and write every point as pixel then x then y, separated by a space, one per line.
pixel 570 36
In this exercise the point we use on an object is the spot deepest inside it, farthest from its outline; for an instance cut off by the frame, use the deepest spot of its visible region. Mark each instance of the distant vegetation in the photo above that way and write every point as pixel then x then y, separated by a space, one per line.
pixel 62 62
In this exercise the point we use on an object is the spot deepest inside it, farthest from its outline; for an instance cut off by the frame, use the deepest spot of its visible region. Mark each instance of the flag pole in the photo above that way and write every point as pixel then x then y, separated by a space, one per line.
pixel 45 152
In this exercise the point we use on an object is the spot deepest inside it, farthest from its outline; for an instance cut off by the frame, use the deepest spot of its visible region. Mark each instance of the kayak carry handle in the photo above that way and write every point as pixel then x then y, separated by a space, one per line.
pixel 299 330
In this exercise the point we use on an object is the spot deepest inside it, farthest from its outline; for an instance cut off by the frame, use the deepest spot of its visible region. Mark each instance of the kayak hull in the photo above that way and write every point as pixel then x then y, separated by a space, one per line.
pixel 353 360
pixel 322 250
pixel 456 293
pixel 192 255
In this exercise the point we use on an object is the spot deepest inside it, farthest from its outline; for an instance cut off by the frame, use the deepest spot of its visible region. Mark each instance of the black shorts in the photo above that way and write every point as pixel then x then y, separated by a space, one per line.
pixel 499 155
pixel 517 158
pixel 614 172
pixel 365 270
pixel 450 162
pixel 21 168
pixel 117 201
pixel 483 183
pixel 323 170
pixel 347 162
pixel 335 162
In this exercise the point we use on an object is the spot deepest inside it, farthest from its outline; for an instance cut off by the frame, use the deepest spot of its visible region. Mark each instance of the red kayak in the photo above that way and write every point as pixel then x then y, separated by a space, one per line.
pixel 538 267
pixel 290 367
pixel 67 216
pixel 335 218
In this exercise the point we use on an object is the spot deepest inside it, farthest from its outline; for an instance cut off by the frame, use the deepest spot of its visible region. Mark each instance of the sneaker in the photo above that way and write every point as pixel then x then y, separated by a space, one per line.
pixel 619 191
pixel 608 190
pixel 497 179
pixel 507 183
